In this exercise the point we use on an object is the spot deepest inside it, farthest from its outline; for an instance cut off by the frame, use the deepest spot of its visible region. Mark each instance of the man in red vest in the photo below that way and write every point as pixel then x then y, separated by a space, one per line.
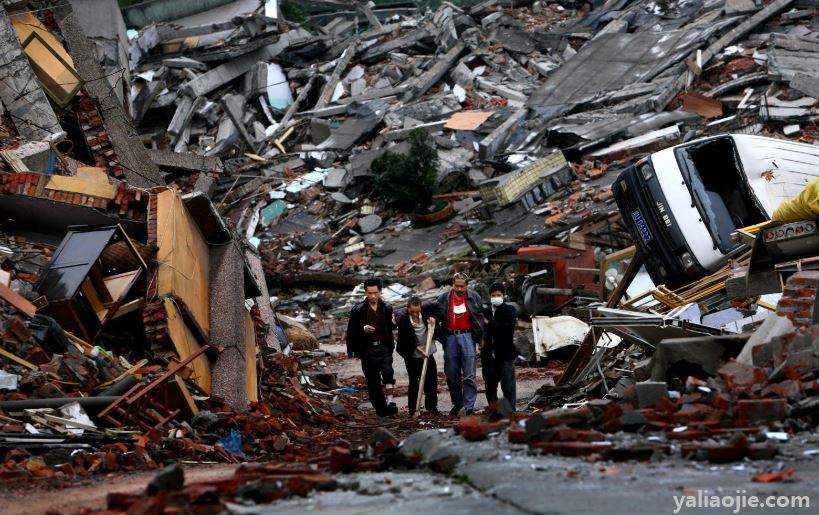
pixel 464 330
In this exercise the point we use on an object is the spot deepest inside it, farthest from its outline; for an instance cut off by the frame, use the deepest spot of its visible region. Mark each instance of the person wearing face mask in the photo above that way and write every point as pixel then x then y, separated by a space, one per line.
pixel 463 325
pixel 498 353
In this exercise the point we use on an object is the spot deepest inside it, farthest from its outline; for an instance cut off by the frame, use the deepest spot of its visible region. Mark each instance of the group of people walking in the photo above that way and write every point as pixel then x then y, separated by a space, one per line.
pixel 459 322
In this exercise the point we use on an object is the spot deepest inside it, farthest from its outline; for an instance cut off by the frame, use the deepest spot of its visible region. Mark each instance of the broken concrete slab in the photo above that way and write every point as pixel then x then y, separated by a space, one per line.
pixel 807 84
pixel 20 91
pixel 337 179
pixel 185 162
pixel 365 118
pixel 227 327
pixel 130 152
pixel 185 62
pixel 599 66
pixel 492 143
pixel 789 55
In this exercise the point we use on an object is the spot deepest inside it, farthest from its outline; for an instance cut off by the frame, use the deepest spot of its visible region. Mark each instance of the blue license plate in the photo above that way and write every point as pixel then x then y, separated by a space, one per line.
pixel 641 224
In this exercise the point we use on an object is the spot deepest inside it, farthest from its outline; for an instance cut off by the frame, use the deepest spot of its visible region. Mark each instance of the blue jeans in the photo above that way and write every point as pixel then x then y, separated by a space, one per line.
pixel 460 363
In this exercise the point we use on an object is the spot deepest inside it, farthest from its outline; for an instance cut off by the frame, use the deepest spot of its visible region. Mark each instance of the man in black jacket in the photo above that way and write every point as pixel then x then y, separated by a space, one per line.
pixel 413 328
pixel 369 337
pixel 498 353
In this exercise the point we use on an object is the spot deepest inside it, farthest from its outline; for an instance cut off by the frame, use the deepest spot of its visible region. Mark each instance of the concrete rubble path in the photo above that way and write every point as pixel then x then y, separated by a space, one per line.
pixel 498 477
pixel 93 494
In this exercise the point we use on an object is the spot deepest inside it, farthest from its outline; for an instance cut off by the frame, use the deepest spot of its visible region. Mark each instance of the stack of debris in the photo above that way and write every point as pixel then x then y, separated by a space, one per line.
pixel 144 261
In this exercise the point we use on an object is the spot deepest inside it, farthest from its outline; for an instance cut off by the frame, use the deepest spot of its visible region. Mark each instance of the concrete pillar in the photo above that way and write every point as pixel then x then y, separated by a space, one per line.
pixel 227 324
pixel 263 301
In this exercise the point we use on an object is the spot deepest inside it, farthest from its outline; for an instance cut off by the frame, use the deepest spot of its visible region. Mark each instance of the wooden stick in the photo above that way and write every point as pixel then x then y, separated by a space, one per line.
pixel 430 331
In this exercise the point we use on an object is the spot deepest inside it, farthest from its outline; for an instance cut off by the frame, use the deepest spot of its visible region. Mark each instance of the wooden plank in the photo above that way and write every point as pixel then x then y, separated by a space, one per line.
pixel 186 396
pixel 8 355
pixel 435 73
pixel 89 180
pixel 14 161
pixel 183 258
pixel 251 379
pixel 118 284
pixel 330 86
pixel 128 307
pixel 19 302
pixel 467 120
pixel 186 344
pixel 139 390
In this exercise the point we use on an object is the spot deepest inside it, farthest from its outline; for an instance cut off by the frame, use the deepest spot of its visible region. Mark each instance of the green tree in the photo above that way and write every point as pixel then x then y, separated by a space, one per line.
pixel 406 181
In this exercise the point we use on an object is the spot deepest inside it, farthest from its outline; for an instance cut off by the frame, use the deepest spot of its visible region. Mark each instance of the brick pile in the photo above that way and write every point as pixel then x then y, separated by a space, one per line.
pixel 128 202
pixel 93 129
pixel 798 302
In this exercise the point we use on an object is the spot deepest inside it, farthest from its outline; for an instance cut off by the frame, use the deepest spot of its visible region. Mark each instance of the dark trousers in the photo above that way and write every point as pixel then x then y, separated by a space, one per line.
pixel 376 363
pixel 414 366
pixel 496 371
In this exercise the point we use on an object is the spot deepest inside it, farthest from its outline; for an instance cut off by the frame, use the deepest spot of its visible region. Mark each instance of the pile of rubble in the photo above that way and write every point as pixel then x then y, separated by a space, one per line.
pixel 153 272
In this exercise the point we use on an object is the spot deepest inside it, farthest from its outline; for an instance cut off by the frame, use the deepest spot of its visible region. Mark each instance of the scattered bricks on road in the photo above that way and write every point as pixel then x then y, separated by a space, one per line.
pixel 473 429
pixel 572 449
pixel 738 376
pixel 650 393
pixel 517 435
pixel 341 460
pixel 636 452
pixel 771 477
pixel 762 451
pixel 761 410
pixel 383 441
pixel 733 450
pixel 632 420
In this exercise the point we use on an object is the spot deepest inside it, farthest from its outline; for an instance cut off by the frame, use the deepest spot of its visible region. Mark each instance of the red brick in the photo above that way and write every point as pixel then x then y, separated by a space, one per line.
pixel 761 410
pixel 341 460
pixel 571 448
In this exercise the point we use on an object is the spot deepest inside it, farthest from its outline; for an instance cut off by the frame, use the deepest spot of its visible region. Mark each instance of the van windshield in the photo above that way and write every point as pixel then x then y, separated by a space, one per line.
pixel 714 175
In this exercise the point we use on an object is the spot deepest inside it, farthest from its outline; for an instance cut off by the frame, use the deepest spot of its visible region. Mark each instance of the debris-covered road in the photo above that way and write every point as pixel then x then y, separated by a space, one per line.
pixel 233 231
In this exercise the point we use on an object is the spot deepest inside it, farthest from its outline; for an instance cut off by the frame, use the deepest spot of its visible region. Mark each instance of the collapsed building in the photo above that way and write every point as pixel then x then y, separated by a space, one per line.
pixel 174 194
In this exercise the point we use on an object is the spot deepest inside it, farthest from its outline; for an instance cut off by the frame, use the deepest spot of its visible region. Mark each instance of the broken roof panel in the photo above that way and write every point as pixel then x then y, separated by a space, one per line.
pixel 610 62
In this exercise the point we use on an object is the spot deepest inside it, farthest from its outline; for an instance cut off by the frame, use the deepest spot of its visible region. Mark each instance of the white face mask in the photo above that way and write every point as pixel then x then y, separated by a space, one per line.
pixel 496 301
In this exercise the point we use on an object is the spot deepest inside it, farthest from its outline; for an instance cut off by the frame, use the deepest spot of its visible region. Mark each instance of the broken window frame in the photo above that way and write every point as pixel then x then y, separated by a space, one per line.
pixel 697 188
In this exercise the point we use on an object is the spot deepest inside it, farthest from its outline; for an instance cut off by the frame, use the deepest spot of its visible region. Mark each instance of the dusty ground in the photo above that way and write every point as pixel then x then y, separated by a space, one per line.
pixel 21 499
pixel 68 497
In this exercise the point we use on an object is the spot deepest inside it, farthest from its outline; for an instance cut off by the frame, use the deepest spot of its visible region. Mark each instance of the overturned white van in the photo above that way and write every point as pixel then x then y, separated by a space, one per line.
pixel 681 204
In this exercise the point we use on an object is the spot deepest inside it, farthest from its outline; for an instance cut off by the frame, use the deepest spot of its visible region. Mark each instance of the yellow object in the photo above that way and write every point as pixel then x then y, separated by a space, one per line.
pixel 130 371
pixel 511 186
pixel 76 339
pixel 804 206
pixel 251 350
pixel 185 344
pixel 89 180
pixel 183 258
pixel 21 361
pixel 51 62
